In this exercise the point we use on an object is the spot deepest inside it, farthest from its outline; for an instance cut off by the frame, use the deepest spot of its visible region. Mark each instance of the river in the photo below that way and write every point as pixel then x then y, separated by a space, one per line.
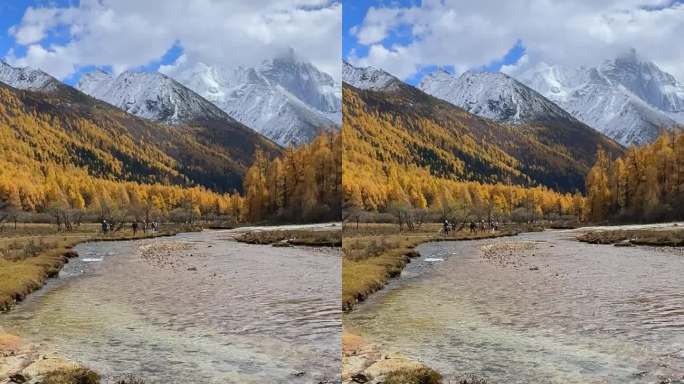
pixel 194 308
pixel 535 308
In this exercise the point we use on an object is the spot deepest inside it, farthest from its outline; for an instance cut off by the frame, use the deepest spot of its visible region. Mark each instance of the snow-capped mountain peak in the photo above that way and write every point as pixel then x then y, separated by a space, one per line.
pixel 492 95
pixel 644 79
pixel 26 78
pixel 627 98
pixel 285 98
pixel 150 95
pixel 368 78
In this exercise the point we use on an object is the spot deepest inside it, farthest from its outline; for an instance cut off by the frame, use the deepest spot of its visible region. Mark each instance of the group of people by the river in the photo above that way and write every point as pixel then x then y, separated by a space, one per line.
pixel 135 226
pixel 473 226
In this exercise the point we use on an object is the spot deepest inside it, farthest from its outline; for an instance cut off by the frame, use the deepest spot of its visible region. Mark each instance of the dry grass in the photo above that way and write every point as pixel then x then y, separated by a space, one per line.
pixel 422 375
pixel 72 376
pixel 374 253
pixel 294 237
pixel 32 253
pixel 654 237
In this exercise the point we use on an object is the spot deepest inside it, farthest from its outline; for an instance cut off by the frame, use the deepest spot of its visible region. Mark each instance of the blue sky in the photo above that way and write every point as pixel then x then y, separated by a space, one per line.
pixel 411 38
pixel 11 14
pixel 355 11
pixel 66 38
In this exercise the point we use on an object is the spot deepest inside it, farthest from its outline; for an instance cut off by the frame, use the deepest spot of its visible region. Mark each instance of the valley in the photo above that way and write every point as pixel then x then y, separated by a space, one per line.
pixel 536 307
pixel 255 323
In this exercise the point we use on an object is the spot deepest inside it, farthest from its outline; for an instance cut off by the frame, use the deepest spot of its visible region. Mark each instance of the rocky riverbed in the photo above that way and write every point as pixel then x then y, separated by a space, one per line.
pixel 25 362
pixel 197 307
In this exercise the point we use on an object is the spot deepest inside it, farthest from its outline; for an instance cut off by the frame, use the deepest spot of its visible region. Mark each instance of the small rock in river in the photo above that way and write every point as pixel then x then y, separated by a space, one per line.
pixel 534 268
pixel 192 268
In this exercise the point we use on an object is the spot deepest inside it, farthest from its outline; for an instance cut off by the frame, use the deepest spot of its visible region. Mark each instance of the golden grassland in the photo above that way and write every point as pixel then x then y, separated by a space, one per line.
pixel 311 238
pixel 32 253
pixel 374 253
pixel 672 237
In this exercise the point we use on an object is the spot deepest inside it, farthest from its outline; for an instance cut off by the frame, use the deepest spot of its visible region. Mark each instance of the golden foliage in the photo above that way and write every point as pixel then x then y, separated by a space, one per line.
pixel 645 184
pixel 303 184
pixel 391 159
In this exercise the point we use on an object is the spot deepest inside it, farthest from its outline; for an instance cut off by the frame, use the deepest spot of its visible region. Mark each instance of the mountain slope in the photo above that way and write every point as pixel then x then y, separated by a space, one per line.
pixel 286 99
pixel 495 96
pixel 503 99
pixel 368 78
pixel 149 95
pixel 628 99
pixel 403 125
pixel 26 78
pixel 64 127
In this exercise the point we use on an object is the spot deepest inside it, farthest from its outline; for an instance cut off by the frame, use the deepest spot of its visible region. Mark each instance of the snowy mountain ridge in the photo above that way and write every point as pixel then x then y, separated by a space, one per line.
pixel 492 95
pixel 285 98
pixel 26 78
pixel 150 95
pixel 627 98
pixel 368 77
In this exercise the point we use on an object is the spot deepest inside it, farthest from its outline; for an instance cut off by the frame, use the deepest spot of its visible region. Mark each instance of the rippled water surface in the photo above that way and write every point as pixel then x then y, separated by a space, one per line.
pixel 204 309
pixel 543 308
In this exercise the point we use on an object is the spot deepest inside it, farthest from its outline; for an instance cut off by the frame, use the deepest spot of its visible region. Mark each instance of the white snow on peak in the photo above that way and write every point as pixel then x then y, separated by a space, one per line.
pixel 492 95
pixel 285 98
pixel 26 78
pixel 150 95
pixel 368 78
pixel 627 98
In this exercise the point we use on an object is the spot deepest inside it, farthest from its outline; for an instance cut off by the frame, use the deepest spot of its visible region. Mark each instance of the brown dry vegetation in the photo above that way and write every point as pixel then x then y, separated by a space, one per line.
pixel 72 376
pixel 654 237
pixel 422 375
pixel 310 238
pixel 32 253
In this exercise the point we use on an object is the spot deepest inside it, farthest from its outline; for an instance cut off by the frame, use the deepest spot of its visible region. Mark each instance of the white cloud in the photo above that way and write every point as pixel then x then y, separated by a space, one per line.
pixel 469 34
pixel 129 33
pixel 523 62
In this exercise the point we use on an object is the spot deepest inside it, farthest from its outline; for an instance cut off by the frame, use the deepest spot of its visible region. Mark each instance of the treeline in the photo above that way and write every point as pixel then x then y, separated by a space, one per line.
pixel 414 191
pixel 69 195
pixel 645 184
pixel 304 184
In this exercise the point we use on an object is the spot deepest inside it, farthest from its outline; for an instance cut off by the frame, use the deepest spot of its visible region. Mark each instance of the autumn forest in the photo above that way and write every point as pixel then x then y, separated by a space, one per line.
pixel 425 164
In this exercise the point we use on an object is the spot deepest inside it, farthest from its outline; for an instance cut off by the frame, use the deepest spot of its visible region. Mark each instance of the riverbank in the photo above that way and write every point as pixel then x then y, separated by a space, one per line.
pixel 363 362
pixel 33 253
pixel 671 235
pixel 291 237
pixel 375 253
pixel 372 255
pixel 208 273
pixel 21 362
pixel 464 303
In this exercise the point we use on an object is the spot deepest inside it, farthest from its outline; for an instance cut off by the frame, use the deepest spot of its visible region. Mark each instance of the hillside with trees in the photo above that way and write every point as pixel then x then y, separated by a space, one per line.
pixel 66 158
pixel 645 184
pixel 407 126
pixel 406 152
pixel 66 127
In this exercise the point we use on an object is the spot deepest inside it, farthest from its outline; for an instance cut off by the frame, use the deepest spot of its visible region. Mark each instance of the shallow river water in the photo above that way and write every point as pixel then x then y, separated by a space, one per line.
pixel 536 308
pixel 194 308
